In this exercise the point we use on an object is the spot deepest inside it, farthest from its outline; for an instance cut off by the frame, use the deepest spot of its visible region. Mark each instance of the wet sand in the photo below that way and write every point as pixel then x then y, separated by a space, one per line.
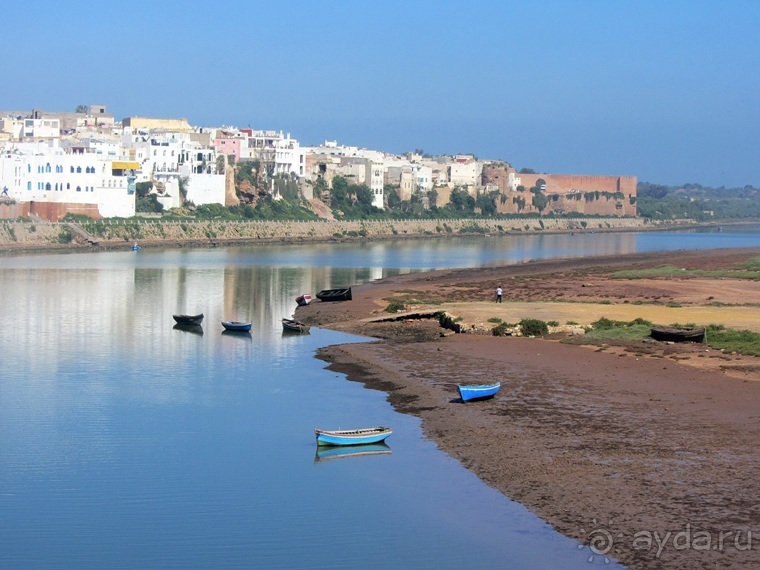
pixel 647 452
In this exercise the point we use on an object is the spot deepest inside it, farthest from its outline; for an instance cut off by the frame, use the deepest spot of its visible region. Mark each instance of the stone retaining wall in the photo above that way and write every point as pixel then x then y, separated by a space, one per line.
pixel 115 234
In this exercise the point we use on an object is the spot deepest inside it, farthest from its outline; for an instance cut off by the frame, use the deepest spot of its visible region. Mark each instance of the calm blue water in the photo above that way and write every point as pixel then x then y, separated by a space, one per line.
pixel 125 443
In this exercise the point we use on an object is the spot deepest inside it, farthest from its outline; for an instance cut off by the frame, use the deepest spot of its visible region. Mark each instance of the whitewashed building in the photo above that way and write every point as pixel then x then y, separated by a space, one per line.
pixel 45 173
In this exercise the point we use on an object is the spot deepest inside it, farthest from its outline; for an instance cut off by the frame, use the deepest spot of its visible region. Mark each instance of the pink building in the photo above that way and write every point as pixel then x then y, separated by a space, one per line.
pixel 230 146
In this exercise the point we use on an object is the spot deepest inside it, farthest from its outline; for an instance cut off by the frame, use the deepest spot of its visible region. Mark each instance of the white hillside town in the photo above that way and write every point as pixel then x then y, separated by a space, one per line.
pixel 85 162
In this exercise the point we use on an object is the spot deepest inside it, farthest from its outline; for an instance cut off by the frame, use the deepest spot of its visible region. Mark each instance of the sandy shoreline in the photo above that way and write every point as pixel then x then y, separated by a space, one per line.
pixel 602 443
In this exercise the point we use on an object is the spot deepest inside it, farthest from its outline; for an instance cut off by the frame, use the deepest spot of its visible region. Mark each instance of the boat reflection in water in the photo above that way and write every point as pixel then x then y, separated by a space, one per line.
pixel 245 335
pixel 337 452
pixel 193 329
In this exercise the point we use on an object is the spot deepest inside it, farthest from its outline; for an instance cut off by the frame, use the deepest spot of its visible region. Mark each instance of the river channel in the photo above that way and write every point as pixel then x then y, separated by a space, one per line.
pixel 128 443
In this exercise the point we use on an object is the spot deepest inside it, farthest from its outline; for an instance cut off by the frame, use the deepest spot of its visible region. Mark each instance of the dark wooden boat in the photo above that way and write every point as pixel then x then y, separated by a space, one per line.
pixel 292 325
pixel 678 334
pixel 188 319
pixel 343 294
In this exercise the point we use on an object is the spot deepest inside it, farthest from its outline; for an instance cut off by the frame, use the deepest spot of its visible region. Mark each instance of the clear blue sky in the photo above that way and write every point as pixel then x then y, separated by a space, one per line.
pixel 668 91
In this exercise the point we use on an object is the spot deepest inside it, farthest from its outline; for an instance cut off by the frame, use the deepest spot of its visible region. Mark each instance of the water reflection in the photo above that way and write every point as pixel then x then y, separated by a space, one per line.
pixel 193 329
pixel 125 441
pixel 327 453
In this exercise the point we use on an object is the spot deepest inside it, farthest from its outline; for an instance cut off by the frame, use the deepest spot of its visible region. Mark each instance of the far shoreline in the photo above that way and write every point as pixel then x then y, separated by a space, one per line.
pixel 301 233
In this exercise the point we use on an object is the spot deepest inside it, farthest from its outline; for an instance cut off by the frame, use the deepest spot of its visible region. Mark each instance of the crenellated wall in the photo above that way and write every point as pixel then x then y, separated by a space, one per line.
pixel 567 193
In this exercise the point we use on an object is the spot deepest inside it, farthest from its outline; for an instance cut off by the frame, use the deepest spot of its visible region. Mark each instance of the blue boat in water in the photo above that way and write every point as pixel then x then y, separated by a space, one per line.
pixel 479 392
pixel 361 436
pixel 236 326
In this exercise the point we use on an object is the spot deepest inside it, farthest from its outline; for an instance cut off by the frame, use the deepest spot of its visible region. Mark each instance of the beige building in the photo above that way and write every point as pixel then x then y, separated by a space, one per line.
pixel 149 124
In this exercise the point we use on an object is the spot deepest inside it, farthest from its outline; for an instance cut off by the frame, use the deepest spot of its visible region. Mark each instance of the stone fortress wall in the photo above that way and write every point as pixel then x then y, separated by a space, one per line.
pixel 566 193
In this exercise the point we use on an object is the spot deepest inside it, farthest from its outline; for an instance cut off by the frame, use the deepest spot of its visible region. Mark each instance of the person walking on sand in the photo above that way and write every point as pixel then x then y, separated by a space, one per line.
pixel 498 294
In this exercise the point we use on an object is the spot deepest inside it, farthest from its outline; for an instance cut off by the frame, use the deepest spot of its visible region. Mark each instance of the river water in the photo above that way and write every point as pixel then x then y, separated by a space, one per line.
pixel 127 443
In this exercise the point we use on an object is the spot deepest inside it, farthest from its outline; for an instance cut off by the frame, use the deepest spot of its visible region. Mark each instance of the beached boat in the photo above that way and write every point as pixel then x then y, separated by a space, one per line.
pixel 188 319
pixel 678 334
pixel 325 453
pixel 479 392
pixel 237 326
pixel 361 436
pixel 303 300
pixel 292 325
pixel 343 294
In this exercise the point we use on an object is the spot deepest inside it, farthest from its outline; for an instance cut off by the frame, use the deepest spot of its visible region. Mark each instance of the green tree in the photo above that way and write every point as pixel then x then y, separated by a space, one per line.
pixel 148 203
pixel 461 201
pixel 392 197
pixel 433 198
pixel 339 192
pixel 143 189
pixel 221 163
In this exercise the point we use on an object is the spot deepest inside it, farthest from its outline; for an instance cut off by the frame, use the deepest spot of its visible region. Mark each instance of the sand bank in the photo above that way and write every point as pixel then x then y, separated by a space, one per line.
pixel 606 444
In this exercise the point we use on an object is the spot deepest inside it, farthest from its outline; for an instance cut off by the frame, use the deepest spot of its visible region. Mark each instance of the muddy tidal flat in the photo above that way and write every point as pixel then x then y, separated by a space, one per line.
pixel 644 452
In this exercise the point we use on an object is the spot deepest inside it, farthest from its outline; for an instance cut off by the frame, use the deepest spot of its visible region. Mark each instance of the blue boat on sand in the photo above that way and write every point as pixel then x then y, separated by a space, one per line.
pixel 479 392
pixel 361 436
pixel 236 326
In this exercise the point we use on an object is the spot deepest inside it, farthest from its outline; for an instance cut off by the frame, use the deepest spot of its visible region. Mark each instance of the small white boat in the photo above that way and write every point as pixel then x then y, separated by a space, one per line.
pixel 352 436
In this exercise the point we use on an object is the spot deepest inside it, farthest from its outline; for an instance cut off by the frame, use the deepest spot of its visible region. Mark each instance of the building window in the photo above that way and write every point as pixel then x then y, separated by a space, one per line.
pixel 29 185
pixel 79 170
pixel 79 188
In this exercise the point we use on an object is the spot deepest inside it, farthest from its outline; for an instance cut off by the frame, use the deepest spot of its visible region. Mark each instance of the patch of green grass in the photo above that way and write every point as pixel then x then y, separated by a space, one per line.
pixel 752 264
pixel 673 305
pixel 634 332
pixel 395 307
pixel 494 320
pixel 604 328
pixel 571 323
pixel 731 340
pixel 747 270
pixel 552 323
